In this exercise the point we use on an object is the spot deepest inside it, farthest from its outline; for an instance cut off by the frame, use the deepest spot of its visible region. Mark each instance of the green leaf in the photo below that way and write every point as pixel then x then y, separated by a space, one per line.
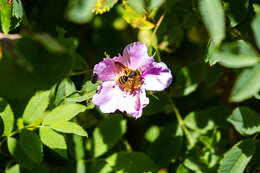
pixel 7 117
pixel 17 9
pixel 68 127
pixel 53 140
pixel 245 121
pixel 134 18
pixel 29 64
pixel 155 4
pixel 255 27
pixel 6 14
pixel 132 162
pixel 65 88
pixel 31 144
pixel 247 84
pixel 236 55
pixel 236 159
pixel 80 11
pixel 103 6
pixel 214 23
pixel 107 134
pixel 100 167
pixel 171 138
pixel 63 113
pixel 188 79
pixel 14 169
pixel 36 106
pixel 16 151
pixel 204 120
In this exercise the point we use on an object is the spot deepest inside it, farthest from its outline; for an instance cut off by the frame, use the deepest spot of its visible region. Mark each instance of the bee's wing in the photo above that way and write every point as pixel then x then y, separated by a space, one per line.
pixel 120 65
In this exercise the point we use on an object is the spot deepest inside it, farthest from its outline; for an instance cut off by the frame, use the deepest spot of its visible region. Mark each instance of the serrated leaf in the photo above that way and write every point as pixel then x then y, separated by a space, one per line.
pixel 236 55
pixel 132 162
pixel 135 19
pixel 53 140
pixel 255 26
pixel 7 117
pixel 107 134
pixel 80 11
pixel 215 24
pixel 36 106
pixel 6 14
pixel 103 6
pixel 247 84
pixel 236 159
pixel 245 121
pixel 31 144
pixel 68 127
pixel 63 113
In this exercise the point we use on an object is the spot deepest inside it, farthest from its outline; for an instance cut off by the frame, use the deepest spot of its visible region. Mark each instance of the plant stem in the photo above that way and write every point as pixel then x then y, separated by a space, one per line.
pixel 181 123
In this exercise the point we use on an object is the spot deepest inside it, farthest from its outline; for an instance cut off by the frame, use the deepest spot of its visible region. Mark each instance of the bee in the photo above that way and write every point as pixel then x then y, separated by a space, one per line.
pixel 94 78
pixel 129 79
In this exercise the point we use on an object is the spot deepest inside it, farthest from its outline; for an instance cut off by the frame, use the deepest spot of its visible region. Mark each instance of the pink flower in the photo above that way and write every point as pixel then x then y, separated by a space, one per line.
pixel 124 80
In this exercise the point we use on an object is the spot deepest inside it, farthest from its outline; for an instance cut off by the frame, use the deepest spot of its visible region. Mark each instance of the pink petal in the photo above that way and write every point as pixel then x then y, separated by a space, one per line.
pixel 135 56
pixel 134 105
pixel 111 98
pixel 157 77
pixel 106 69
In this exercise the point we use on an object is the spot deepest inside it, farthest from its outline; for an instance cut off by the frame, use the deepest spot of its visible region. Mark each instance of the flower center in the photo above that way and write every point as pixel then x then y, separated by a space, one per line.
pixel 130 80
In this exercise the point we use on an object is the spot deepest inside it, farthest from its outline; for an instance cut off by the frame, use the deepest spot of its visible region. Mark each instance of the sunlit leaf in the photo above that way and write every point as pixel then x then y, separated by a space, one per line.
pixel 235 55
pixel 107 134
pixel 68 127
pixel 214 23
pixel 245 121
pixel 14 169
pixel 7 116
pixel 247 84
pixel 53 140
pixel 63 113
pixel 103 6
pixel 255 27
pixel 131 162
pixel 36 106
pixel 236 159
pixel 134 18
pixel 6 14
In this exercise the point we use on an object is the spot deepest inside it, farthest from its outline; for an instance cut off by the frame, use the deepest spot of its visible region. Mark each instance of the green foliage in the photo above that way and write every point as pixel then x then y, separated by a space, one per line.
pixel 214 23
pixel 7 116
pixel 63 113
pixel 48 122
pixel 247 84
pixel 131 162
pixel 31 144
pixel 236 159
pixel 53 140
pixel 107 134
pixel 6 14
pixel 68 127
pixel 36 106
pixel 245 120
